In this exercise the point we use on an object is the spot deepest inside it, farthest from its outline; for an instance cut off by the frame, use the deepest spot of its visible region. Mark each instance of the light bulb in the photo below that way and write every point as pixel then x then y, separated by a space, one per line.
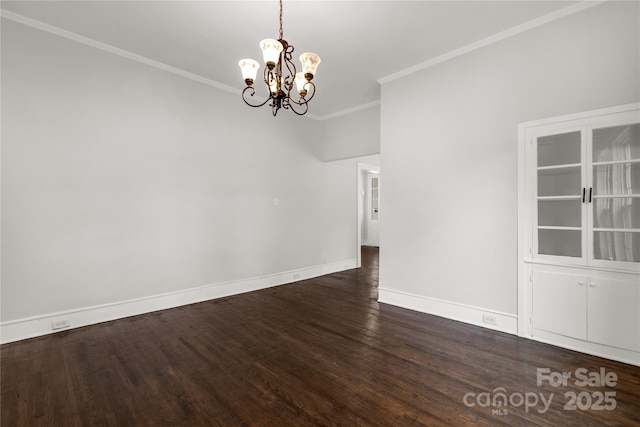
pixel 300 82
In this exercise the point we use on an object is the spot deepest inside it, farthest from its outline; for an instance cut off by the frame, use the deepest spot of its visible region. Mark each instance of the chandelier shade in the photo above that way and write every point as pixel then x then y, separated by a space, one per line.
pixel 300 82
pixel 271 50
pixel 249 69
pixel 280 76
pixel 310 62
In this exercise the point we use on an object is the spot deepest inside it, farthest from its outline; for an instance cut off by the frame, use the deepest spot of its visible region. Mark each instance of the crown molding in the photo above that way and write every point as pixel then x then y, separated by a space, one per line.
pixel 349 110
pixel 570 10
pixel 114 50
pixel 583 5
pixel 21 19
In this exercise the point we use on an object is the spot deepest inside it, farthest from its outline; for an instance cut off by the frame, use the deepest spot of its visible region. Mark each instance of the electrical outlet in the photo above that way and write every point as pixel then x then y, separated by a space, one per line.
pixel 60 324
pixel 489 319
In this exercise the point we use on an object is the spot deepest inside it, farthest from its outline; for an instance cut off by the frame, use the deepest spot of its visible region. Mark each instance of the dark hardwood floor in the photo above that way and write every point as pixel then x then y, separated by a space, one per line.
pixel 316 352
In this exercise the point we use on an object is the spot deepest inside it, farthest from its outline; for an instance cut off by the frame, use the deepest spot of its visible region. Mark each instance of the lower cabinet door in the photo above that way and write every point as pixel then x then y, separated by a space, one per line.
pixel 559 304
pixel 614 313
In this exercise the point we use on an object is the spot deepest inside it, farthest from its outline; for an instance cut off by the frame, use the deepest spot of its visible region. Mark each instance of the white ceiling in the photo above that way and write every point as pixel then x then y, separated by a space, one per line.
pixel 359 41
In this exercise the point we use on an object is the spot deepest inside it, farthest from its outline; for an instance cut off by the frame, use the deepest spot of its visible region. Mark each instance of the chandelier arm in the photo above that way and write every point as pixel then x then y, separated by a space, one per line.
pixel 286 59
pixel 300 101
pixel 289 81
pixel 292 108
pixel 252 92
pixel 312 85
pixel 288 53
pixel 267 76
pixel 285 103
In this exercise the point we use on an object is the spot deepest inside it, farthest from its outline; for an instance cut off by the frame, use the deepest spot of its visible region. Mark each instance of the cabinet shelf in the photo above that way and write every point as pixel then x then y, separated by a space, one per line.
pixel 567 166
pixel 568 197
pixel 614 162
pixel 616 196
pixel 617 230
pixel 553 227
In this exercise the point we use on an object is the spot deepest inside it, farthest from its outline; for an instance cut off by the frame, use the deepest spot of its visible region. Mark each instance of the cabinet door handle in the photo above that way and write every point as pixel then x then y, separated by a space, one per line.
pixel 592 285
pixel 584 192
pixel 590 193
pixel 580 283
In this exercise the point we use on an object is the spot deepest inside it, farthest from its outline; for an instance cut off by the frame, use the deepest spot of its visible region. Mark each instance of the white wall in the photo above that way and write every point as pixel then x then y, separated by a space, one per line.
pixel 449 145
pixel 352 135
pixel 121 181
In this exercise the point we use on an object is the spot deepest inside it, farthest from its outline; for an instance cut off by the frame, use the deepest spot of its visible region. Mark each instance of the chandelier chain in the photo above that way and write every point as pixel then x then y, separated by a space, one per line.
pixel 281 20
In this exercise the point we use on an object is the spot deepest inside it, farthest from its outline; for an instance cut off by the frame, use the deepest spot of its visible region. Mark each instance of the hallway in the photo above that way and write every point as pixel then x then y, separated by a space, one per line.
pixel 370 269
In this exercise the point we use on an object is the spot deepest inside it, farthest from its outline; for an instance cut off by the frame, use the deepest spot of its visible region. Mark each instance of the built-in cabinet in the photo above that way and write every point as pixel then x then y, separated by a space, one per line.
pixel 579 231
pixel 601 308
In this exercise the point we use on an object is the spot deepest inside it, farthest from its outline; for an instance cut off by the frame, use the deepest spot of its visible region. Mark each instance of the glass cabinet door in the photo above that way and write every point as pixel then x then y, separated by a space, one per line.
pixel 615 210
pixel 560 195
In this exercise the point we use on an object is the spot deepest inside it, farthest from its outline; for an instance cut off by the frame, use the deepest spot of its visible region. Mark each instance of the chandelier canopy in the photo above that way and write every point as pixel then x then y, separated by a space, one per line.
pixel 279 75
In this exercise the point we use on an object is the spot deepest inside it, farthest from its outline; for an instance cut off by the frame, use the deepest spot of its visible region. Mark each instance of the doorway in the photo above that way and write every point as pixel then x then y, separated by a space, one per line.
pixel 368 210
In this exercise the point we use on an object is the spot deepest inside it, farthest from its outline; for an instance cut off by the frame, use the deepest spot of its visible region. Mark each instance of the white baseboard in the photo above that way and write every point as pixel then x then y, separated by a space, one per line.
pixel 20 329
pixel 621 355
pixel 504 322
pixel 463 313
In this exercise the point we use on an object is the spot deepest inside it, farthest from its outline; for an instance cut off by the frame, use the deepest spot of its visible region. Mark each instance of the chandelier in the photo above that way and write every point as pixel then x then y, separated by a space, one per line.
pixel 279 75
